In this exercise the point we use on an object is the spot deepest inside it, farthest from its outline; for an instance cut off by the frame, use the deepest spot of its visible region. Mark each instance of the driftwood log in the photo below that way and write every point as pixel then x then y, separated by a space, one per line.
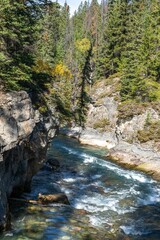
pixel 53 198
pixel 45 199
pixel 23 200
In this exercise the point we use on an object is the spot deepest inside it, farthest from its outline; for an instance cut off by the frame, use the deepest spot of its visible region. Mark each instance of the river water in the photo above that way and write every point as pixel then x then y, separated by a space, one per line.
pixel 107 201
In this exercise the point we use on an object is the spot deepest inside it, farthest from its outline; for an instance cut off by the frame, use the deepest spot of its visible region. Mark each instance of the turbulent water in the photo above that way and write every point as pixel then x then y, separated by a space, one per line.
pixel 107 201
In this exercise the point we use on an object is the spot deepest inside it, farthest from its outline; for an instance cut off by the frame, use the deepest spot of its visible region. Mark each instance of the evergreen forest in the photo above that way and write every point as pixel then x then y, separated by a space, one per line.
pixel 45 49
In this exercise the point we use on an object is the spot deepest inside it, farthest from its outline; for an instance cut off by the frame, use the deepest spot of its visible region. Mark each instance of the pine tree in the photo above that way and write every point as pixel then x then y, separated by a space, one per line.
pixel 79 21
pixel 84 81
pixel 114 39
pixel 16 37
pixel 140 62
pixel 48 33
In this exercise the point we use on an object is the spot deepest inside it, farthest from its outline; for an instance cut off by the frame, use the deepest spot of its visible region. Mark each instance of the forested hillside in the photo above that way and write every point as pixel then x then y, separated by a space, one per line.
pixel 45 49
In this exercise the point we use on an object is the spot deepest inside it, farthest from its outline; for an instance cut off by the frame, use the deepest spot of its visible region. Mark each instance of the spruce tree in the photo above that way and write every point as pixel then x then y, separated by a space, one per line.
pixel 83 98
pixel 140 62
pixel 16 37
pixel 114 39
pixel 48 33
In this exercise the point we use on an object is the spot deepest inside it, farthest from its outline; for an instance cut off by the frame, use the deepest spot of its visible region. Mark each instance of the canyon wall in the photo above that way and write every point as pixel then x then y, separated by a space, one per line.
pixel 24 138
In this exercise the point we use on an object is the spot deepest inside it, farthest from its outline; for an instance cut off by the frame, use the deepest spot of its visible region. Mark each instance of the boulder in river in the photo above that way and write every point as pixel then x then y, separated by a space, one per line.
pixel 53 198
pixel 53 163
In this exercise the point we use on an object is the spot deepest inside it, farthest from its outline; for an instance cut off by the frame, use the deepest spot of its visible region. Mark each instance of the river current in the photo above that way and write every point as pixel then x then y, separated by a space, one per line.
pixel 107 201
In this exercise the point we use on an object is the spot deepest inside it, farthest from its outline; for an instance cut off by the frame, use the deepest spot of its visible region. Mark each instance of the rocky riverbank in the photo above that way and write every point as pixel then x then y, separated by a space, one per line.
pixel 130 131
pixel 136 157
pixel 24 137
pixel 131 156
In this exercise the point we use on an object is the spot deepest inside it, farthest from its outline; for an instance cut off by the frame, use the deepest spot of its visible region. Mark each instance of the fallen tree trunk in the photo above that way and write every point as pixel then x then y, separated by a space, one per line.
pixel 24 200
pixel 53 198
pixel 45 199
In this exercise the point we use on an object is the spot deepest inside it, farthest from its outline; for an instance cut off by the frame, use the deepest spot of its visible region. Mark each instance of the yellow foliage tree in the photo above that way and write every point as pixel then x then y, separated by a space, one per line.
pixel 61 71
pixel 83 45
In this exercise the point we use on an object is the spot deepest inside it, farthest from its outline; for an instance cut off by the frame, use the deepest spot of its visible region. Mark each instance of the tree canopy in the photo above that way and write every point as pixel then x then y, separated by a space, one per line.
pixel 43 47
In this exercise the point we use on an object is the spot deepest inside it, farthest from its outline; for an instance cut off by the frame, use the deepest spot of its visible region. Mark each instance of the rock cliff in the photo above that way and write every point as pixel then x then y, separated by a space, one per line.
pixel 130 131
pixel 24 137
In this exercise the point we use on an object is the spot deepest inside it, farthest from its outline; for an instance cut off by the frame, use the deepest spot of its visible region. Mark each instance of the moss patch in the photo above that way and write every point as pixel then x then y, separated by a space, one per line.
pixel 101 123
pixel 150 132
pixel 129 109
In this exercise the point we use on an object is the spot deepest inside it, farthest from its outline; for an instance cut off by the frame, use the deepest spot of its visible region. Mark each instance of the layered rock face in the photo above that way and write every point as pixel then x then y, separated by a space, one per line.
pixel 125 136
pixel 129 138
pixel 24 137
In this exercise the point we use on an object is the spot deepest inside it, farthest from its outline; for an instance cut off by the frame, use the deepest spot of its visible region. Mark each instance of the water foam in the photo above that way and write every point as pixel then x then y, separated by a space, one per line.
pixel 131 230
pixel 98 203
pixel 149 199
pixel 125 173
pixel 96 221
pixel 69 180
pixel 87 158
pixel 70 150
pixel 96 176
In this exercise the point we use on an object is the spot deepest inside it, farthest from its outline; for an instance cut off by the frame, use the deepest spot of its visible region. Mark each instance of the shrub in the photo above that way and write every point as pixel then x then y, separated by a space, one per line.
pixel 101 123
pixel 43 109
pixel 150 132
pixel 129 109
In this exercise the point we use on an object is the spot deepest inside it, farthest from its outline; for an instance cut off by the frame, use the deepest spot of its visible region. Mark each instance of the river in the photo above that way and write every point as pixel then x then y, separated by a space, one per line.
pixel 107 201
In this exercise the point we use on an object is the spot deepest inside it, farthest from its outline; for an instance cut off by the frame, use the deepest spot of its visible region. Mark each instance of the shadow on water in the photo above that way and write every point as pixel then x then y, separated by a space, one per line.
pixel 107 202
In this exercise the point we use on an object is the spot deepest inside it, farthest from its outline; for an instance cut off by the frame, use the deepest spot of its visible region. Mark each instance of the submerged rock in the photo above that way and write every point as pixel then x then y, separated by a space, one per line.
pixel 53 163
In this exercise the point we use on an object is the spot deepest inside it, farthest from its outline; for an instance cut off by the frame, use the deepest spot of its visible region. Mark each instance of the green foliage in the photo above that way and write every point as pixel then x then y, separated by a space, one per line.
pixel 16 39
pixel 114 38
pixel 47 46
pixel 43 109
pixel 130 46
pixel 45 49
pixel 140 63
